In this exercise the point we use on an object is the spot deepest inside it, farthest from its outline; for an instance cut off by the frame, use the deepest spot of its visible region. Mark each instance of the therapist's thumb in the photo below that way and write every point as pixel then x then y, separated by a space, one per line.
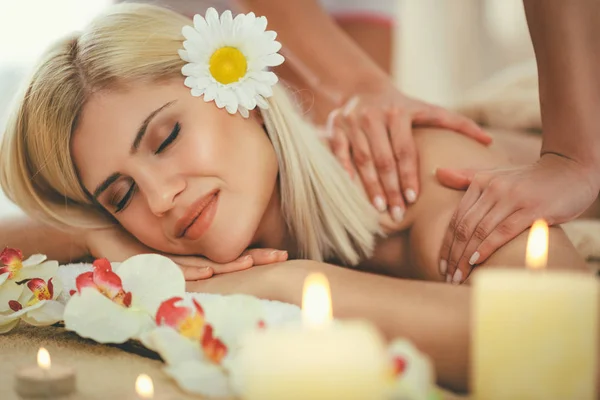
pixel 455 178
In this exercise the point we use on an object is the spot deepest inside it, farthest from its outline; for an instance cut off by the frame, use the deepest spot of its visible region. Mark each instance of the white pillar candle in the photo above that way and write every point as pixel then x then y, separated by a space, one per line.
pixel 318 361
pixel 535 332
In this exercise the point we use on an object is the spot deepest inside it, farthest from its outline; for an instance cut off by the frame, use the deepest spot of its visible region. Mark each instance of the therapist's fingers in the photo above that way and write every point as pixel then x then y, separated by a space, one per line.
pixel 464 231
pixel 453 178
pixel 485 226
pixel 405 152
pixel 470 198
pixel 430 115
pixel 338 142
pixel 504 231
pixel 375 129
pixel 363 161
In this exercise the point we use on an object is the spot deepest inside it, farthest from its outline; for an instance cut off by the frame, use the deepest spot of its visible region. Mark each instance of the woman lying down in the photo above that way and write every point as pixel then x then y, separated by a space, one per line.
pixel 107 134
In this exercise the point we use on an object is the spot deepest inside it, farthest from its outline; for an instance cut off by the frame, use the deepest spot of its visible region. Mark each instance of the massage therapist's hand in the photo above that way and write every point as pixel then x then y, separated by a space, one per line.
pixel 500 204
pixel 116 244
pixel 373 132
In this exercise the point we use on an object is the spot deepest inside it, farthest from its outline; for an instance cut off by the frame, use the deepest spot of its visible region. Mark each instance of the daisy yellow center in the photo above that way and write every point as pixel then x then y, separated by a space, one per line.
pixel 228 65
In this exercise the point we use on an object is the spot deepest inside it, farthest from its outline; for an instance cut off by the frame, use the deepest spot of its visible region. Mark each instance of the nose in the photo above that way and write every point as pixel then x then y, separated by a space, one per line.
pixel 161 190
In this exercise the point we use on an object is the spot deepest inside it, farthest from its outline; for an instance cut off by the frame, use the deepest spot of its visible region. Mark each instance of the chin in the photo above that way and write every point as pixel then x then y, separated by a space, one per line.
pixel 228 247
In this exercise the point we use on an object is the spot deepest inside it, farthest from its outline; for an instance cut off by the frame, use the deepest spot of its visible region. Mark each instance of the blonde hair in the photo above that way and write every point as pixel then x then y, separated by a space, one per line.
pixel 326 213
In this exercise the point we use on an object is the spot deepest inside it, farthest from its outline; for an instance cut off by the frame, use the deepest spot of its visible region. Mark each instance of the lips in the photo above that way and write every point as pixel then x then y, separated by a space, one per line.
pixel 193 212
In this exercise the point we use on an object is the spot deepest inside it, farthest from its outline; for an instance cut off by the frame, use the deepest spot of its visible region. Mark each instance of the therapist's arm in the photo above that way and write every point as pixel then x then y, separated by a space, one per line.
pixel 566 39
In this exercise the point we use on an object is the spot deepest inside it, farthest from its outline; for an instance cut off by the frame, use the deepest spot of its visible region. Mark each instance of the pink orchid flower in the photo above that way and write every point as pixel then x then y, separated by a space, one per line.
pixel 36 306
pixel 113 306
pixel 105 281
pixel 13 270
pixel 192 325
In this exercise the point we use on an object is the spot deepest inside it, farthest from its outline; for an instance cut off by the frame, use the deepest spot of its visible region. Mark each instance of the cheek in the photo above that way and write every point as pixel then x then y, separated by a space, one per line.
pixel 144 228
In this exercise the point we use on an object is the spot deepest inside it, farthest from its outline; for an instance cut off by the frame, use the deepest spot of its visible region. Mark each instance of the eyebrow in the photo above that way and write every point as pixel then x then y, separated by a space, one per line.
pixel 134 148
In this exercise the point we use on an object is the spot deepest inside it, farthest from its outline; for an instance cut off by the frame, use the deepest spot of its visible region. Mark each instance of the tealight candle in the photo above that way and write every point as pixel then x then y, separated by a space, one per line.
pixel 535 331
pixel 144 388
pixel 320 360
pixel 45 379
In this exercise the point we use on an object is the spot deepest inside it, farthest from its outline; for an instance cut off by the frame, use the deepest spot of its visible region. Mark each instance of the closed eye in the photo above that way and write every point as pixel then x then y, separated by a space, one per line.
pixel 169 139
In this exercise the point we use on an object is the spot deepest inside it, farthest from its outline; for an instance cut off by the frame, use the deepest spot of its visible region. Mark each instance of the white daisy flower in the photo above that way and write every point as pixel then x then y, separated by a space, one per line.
pixel 228 60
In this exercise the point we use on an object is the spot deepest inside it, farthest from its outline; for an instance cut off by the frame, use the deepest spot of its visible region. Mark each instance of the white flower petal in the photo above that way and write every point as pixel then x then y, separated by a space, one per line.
pixel 9 291
pixel 4 277
pixel 200 378
pixel 152 279
pixel 172 347
pixel 43 271
pixel 184 55
pixel 8 325
pixel 210 93
pixel 34 260
pixel 261 102
pixel 49 313
pixel 273 60
pixel 261 23
pixel 91 315
pixel 244 112
pixel 212 18
pixel 197 92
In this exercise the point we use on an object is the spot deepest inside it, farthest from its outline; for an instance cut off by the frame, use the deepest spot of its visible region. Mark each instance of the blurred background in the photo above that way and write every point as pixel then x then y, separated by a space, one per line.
pixel 443 48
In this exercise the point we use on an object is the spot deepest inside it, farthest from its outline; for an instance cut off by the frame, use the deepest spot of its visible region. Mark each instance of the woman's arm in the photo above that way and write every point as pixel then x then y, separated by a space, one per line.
pixel 433 316
pixel 33 237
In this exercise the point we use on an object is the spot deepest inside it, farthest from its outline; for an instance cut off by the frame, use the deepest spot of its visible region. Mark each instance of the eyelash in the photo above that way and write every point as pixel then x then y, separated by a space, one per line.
pixel 121 205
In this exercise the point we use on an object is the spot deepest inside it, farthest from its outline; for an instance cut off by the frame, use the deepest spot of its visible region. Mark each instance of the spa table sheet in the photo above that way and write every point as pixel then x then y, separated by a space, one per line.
pixel 103 371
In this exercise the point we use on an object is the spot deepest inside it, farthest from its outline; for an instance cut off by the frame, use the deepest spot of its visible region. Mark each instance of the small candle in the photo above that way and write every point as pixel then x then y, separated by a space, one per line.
pixel 535 331
pixel 319 361
pixel 144 387
pixel 45 379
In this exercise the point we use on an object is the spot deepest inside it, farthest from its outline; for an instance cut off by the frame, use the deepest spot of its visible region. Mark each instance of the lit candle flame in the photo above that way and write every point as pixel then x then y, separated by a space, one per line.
pixel 316 300
pixel 537 245
pixel 144 387
pixel 43 359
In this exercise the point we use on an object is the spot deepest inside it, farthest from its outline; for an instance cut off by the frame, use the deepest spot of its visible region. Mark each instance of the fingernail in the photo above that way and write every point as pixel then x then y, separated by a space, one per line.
pixel 246 258
pixel 204 269
pixel 397 213
pixel 448 278
pixel 474 258
pixel 410 195
pixel 457 277
pixel 379 203
pixel 443 267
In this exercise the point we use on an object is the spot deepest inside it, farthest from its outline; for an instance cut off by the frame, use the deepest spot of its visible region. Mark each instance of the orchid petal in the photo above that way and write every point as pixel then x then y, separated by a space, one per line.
pixel 200 378
pixel 49 313
pixel 85 280
pixel 108 282
pixel 10 255
pixel 43 271
pixel 92 315
pixel 4 277
pixel 35 259
pixel 8 325
pixel 152 279
pixel 9 291
pixel 172 347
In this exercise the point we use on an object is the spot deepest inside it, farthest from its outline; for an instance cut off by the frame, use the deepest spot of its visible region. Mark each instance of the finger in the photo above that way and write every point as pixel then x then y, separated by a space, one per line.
pixel 266 256
pixel 465 204
pixel 505 230
pixel 405 153
pixel 459 179
pixel 242 263
pixel 481 219
pixel 442 118
pixel 340 147
pixel 383 158
pixel 463 231
pixel 363 160
pixel 196 273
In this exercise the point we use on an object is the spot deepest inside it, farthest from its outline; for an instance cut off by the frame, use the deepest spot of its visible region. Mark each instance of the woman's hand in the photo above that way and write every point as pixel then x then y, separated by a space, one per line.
pixel 116 244
pixel 373 132
pixel 500 204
